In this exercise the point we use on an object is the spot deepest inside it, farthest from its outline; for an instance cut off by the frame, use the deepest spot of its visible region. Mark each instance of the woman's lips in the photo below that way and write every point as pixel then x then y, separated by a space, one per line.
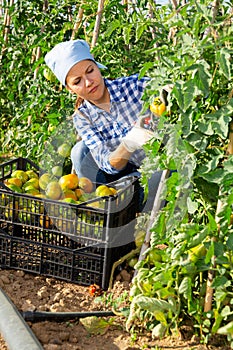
pixel 92 91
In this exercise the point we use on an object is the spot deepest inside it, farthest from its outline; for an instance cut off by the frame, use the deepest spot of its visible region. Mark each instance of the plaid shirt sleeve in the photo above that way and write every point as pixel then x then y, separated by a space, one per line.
pixel 102 131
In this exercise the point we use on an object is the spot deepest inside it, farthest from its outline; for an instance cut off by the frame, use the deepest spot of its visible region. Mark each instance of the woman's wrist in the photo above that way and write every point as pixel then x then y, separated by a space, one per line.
pixel 120 157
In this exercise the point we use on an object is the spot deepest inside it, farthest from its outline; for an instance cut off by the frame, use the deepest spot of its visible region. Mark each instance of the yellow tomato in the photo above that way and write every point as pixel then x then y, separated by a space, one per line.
pixel 161 108
pixel 104 190
pixel 157 107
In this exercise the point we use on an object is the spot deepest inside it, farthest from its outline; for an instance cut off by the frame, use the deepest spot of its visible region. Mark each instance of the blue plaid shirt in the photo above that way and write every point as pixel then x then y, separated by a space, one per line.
pixel 101 131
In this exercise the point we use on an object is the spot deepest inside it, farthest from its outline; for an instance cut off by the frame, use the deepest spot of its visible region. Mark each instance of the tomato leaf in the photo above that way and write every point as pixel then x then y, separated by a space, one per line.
pixel 215 176
pixel 202 77
pixel 229 241
pixel 96 325
pixel 140 28
pixel 153 305
pixel 226 329
pixel 126 33
pixel 185 288
pixel 191 206
pixel 113 25
pixel 197 140
pixel 159 331
pixel 221 281
pixel 223 56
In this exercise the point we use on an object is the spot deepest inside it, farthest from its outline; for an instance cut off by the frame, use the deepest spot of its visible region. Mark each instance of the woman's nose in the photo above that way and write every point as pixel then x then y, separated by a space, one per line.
pixel 88 82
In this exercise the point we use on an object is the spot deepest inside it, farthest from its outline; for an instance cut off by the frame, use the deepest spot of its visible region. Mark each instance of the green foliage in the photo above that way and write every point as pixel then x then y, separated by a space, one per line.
pixel 28 102
pixel 191 141
pixel 189 49
pixel 32 105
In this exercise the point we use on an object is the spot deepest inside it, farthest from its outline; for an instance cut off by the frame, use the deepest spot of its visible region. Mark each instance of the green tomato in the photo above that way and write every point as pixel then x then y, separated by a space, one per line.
pixel 154 256
pixel 197 252
pixel 64 150
pixel 57 170
pixel 139 238
pixel 132 262
pixel 48 74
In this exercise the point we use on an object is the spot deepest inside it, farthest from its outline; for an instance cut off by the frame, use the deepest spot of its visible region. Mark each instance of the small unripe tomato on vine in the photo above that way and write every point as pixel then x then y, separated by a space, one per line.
pixel 154 256
pixel 48 74
pixel 139 238
pixel 133 261
pixel 197 252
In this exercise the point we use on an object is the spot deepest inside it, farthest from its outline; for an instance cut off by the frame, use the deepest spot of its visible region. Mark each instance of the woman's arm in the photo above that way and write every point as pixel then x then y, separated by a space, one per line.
pixel 100 146
pixel 119 158
pixel 109 154
pixel 133 141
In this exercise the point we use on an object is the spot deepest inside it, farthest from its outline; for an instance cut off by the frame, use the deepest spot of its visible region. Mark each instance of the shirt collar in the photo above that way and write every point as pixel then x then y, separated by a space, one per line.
pixel 114 90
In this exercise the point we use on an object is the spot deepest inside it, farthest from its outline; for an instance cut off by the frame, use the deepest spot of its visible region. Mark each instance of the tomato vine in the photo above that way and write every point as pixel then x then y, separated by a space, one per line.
pixel 192 141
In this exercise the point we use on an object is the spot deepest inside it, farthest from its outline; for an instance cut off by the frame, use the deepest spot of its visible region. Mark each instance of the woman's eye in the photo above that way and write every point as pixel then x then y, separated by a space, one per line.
pixel 90 70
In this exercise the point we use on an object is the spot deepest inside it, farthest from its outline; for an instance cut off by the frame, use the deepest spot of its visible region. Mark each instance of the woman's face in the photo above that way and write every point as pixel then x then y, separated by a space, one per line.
pixel 85 80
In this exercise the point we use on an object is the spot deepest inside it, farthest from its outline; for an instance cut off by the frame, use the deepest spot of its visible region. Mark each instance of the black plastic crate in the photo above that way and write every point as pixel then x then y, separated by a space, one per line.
pixel 76 243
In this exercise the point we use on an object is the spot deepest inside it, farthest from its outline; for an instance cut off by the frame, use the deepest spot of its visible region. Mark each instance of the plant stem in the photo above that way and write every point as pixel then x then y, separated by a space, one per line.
pixel 97 23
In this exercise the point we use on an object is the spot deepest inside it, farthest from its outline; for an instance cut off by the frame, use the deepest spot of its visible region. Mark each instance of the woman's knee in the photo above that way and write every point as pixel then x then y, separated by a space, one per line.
pixel 83 162
pixel 78 152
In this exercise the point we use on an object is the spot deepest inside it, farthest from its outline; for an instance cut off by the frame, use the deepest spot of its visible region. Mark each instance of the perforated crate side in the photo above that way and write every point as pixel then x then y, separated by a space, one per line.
pixel 82 223
pixel 80 265
pixel 69 265
pixel 5 250
pixel 72 265
pixel 7 168
pixel 75 243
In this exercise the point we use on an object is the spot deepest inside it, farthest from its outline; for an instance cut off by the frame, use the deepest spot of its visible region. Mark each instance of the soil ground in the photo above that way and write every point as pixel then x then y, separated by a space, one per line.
pixel 37 293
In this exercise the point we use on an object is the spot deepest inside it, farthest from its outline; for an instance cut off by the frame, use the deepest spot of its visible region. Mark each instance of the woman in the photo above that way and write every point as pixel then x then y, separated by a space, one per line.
pixel 106 115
